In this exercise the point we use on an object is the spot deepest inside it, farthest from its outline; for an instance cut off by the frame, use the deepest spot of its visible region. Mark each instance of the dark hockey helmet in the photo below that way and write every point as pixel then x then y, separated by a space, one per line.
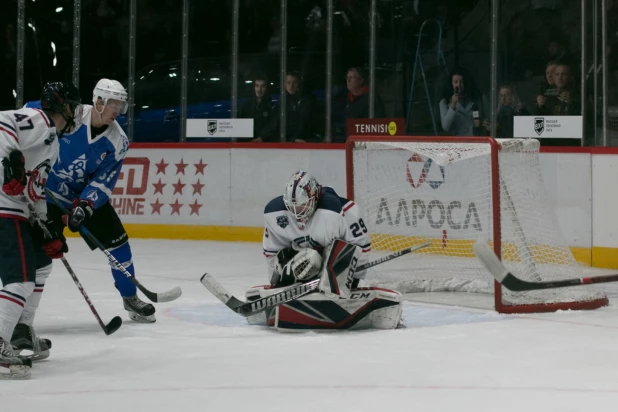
pixel 56 95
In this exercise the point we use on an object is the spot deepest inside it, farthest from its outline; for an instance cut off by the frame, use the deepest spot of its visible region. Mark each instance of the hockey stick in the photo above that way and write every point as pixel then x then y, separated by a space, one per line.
pixel 167 296
pixel 511 282
pixel 116 321
pixel 393 256
pixel 290 293
pixel 256 306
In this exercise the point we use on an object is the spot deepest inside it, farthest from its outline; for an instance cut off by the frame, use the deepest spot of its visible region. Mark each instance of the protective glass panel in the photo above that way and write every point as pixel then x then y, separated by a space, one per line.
pixel 209 77
pixel 8 51
pixel 48 48
pixel 157 71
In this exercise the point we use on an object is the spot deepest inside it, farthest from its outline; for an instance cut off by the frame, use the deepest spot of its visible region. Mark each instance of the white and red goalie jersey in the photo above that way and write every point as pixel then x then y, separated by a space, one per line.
pixel 335 218
pixel 31 132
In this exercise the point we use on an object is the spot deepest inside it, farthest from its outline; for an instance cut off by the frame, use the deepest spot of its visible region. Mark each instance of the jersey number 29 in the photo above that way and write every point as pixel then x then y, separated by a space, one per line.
pixel 358 228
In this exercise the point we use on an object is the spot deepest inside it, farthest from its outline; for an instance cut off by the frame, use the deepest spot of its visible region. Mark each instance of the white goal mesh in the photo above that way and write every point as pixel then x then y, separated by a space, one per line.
pixel 413 190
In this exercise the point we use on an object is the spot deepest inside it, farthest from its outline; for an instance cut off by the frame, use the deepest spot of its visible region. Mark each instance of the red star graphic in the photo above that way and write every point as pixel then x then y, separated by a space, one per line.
pixel 197 188
pixel 178 187
pixel 158 187
pixel 180 167
pixel 176 207
pixel 156 207
pixel 161 167
pixel 195 208
pixel 199 167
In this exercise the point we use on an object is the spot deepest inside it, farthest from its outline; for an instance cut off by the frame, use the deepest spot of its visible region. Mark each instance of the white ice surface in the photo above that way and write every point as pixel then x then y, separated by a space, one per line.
pixel 200 356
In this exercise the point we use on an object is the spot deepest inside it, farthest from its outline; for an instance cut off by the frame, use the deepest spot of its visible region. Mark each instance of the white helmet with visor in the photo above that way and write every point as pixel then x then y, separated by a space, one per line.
pixel 112 94
pixel 301 196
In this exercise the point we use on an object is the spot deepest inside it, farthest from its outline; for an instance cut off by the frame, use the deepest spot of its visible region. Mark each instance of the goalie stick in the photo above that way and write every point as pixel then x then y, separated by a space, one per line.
pixel 512 282
pixel 116 321
pixel 247 309
pixel 167 296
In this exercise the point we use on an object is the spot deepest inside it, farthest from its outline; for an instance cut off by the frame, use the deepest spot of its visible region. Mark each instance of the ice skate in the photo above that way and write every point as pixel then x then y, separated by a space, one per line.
pixel 24 339
pixel 139 311
pixel 19 368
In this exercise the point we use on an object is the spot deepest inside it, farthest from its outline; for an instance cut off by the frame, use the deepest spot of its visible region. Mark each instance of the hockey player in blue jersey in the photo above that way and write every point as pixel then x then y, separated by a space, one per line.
pixel 83 178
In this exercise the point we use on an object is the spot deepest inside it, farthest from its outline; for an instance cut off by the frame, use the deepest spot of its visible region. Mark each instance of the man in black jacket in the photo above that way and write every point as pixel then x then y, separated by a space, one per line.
pixel 299 110
pixel 261 108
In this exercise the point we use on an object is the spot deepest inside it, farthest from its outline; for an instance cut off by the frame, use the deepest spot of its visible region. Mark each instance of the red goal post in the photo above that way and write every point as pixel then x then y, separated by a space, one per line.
pixel 452 191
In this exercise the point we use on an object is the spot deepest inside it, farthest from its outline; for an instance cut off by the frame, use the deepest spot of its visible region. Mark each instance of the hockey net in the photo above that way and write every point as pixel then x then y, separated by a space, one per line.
pixel 453 191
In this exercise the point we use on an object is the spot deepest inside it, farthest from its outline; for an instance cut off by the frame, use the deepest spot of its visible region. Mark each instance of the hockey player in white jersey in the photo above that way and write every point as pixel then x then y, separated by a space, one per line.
pixel 312 232
pixel 302 222
pixel 83 178
pixel 28 148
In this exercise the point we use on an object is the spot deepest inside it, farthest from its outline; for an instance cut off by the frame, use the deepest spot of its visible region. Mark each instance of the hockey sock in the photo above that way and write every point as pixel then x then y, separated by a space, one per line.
pixel 123 255
pixel 32 303
pixel 12 301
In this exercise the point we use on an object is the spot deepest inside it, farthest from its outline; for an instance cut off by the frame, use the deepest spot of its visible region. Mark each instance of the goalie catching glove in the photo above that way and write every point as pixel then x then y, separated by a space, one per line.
pixel 294 266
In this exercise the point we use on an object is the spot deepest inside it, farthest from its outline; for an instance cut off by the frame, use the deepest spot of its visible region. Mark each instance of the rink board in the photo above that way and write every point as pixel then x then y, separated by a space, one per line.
pixel 218 191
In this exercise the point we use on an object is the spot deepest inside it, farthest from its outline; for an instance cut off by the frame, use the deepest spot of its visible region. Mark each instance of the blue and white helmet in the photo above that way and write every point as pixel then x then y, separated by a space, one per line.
pixel 301 196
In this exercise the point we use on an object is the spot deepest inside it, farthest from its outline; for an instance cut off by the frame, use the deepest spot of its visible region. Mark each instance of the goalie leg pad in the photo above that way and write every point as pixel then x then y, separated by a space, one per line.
pixel 339 268
pixel 367 308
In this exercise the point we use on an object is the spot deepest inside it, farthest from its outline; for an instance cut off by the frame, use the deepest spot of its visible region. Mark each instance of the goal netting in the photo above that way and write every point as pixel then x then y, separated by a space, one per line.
pixel 453 191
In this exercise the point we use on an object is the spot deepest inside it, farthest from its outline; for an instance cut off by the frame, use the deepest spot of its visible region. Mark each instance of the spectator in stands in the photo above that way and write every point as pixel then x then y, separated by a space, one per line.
pixel 566 102
pixel 548 85
pixel 463 109
pixel 357 102
pixel 299 110
pixel 261 108
pixel 509 106
pixel 556 49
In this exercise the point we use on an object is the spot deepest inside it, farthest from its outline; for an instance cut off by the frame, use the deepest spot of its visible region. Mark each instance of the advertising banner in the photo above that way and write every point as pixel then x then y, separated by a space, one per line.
pixel 376 127
pixel 223 187
pixel 219 128
pixel 548 126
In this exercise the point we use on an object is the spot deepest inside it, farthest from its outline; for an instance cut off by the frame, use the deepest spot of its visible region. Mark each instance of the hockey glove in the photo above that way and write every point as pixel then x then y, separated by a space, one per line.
pixel 54 245
pixel 296 266
pixel 82 210
pixel 14 173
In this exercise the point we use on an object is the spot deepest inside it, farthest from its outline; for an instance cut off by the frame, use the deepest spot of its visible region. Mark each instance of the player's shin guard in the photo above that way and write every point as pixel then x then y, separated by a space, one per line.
pixel 33 301
pixel 123 255
pixel 366 308
pixel 12 301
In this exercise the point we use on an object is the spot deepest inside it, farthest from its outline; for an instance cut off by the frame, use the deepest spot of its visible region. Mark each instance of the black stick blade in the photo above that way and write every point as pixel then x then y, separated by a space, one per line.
pixel 113 325
pixel 167 296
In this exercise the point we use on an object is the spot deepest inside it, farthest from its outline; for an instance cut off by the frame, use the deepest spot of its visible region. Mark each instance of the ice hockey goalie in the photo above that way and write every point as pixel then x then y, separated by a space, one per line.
pixel 337 304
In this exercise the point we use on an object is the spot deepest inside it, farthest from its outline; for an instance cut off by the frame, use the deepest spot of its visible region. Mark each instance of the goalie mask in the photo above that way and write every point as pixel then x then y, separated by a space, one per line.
pixel 301 196
pixel 112 94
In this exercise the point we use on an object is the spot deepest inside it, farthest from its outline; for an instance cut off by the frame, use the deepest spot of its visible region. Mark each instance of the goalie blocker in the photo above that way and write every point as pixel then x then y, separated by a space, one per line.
pixel 336 304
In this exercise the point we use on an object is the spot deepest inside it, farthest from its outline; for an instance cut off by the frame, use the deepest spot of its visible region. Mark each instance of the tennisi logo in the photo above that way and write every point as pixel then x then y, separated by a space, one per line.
pixel 375 127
